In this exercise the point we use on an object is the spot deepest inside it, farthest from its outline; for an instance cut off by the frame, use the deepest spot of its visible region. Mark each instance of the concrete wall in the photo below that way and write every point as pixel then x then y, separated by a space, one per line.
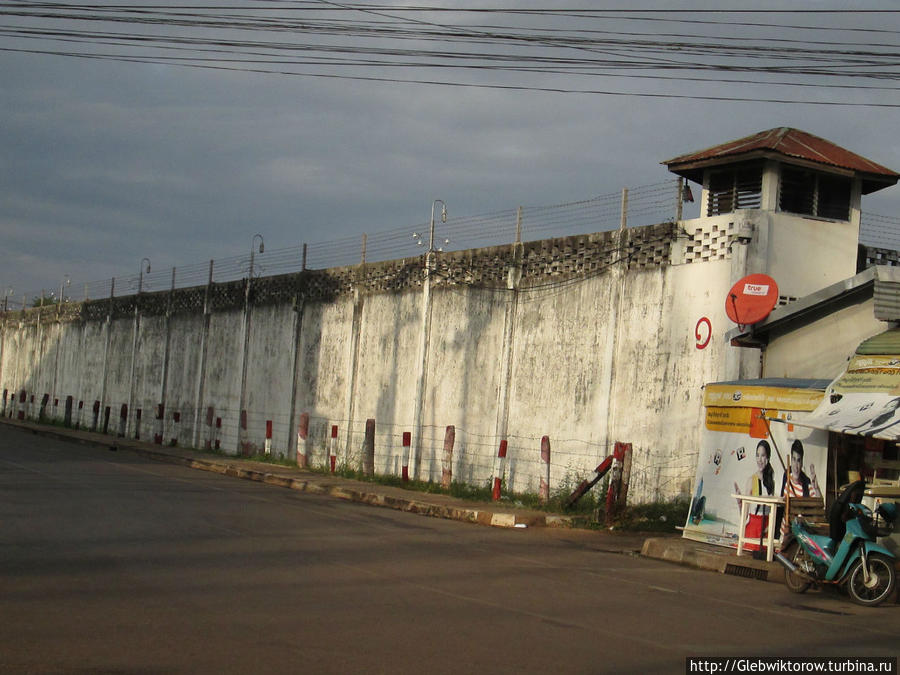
pixel 589 340
pixel 822 348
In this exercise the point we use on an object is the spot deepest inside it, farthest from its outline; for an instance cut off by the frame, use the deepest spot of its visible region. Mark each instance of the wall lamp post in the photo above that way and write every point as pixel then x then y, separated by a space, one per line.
pixel 253 250
pixel 141 275
pixel 443 220
pixel 418 237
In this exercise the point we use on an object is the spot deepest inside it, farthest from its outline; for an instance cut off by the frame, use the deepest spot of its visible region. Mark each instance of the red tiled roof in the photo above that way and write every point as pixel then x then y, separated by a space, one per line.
pixel 789 143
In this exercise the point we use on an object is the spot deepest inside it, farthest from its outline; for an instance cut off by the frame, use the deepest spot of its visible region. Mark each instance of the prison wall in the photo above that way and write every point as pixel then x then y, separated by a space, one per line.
pixel 589 340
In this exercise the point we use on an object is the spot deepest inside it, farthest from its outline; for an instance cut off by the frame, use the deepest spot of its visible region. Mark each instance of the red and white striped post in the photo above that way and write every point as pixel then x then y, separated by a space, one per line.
pixel 544 492
pixel 407 441
pixel 55 409
pixel 23 397
pixel 137 424
pixel 210 419
pixel 268 445
pixel 447 458
pixel 176 422
pixel 160 423
pixel 368 458
pixel 80 413
pixel 332 450
pixel 302 435
pixel 244 445
pixel 615 483
pixel 95 415
pixel 123 420
pixel 501 468
pixel 217 435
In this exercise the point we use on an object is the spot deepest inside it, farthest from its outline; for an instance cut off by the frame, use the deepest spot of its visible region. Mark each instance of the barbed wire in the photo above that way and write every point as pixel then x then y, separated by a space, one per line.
pixel 597 214
pixel 646 205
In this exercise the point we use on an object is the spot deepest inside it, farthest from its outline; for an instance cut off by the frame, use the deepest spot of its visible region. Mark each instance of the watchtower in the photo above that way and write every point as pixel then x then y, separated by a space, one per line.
pixel 789 203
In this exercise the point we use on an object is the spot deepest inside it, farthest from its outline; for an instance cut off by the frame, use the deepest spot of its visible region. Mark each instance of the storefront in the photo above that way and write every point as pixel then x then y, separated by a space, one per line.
pixel 750 433
pixel 834 433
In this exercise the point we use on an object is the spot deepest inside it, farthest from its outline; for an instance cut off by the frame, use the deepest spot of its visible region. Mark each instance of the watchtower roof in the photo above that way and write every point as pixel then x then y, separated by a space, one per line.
pixel 781 143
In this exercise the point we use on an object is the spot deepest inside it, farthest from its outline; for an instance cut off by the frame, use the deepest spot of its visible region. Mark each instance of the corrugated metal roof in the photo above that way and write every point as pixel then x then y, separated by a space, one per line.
pixel 883 344
pixel 789 143
pixel 783 382
pixel 887 294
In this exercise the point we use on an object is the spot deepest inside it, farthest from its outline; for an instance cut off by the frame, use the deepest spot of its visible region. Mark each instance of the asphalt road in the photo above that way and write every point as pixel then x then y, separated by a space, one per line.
pixel 115 564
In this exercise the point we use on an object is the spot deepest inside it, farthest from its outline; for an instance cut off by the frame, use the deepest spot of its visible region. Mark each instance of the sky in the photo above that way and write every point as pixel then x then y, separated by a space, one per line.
pixel 145 151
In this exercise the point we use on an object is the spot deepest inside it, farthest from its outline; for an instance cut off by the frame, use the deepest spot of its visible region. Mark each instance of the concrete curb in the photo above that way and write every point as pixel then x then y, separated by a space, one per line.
pixel 711 558
pixel 339 488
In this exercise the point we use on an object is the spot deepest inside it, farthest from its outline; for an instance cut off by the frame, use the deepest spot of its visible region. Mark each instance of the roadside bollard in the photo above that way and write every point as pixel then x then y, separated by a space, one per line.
pixel 137 424
pixel 67 418
pixel 176 421
pixel 210 419
pixel 302 435
pixel 95 415
pixel 268 445
pixel 160 423
pixel 544 491
pixel 123 420
pixel 447 458
pixel 332 452
pixel 218 433
pixel 368 458
pixel 407 442
pixel 501 468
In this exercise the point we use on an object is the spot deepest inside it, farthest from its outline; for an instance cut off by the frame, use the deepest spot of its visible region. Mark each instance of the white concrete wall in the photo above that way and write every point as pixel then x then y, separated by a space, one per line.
pixel 822 348
pixel 592 359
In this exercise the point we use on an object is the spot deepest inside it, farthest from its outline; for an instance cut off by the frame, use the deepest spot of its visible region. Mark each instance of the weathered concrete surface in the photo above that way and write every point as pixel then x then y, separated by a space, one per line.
pixel 594 347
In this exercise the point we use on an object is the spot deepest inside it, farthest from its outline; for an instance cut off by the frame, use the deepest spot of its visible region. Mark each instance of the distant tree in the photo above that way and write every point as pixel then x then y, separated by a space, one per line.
pixel 38 301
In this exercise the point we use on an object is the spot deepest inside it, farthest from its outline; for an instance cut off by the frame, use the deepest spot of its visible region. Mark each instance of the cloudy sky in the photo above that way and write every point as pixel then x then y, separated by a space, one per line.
pixel 186 132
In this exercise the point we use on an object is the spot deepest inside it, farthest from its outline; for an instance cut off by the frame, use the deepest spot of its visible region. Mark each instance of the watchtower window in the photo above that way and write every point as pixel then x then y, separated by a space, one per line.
pixel 812 193
pixel 735 188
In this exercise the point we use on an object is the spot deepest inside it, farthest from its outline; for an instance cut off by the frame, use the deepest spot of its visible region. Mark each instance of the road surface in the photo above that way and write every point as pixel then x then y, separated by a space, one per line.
pixel 114 563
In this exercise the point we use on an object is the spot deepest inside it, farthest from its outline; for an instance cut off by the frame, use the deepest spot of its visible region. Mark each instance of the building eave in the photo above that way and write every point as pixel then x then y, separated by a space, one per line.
pixel 811 308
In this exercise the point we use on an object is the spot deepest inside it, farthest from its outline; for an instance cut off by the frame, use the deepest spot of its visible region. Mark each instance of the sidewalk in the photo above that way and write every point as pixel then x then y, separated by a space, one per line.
pixel 669 547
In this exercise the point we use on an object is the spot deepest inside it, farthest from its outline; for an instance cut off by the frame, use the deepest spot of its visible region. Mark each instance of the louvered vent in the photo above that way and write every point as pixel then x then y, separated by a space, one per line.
pixel 735 188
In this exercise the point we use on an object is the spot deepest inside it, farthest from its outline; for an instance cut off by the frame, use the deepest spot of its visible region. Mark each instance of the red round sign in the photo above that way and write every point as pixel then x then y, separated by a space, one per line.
pixel 751 299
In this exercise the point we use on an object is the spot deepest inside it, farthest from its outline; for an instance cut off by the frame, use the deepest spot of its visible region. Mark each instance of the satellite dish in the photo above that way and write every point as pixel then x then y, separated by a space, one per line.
pixel 751 299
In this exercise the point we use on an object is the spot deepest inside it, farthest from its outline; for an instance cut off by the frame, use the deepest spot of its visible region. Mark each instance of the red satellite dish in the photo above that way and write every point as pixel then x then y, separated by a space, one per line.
pixel 751 299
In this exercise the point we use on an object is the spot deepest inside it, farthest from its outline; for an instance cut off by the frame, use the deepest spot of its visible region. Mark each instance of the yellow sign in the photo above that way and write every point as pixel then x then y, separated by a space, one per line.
pixel 756 396
pixel 871 374
pixel 734 420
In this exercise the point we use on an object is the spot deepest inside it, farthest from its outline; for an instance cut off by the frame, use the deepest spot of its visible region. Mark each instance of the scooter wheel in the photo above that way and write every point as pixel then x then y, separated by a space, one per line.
pixel 882 579
pixel 796 583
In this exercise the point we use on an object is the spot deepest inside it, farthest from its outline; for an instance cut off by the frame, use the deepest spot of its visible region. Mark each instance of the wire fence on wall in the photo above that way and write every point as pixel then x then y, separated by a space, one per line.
pixel 473 460
pixel 644 205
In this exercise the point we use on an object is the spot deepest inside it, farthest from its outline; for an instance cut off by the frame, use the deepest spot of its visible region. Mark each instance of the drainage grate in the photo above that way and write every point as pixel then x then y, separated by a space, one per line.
pixel 748 572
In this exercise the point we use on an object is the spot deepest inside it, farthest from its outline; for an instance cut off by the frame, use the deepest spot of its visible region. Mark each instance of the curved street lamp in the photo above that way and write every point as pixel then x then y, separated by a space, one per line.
pixel 253 250
pixel 443 220
pixel 141 274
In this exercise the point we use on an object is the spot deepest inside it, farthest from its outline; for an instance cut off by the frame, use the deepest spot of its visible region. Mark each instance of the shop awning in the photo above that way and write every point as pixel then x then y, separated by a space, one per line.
pixel 865 399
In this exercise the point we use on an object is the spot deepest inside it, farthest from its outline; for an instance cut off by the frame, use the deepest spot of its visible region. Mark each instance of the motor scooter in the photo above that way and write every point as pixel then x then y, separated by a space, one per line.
pixel 849 556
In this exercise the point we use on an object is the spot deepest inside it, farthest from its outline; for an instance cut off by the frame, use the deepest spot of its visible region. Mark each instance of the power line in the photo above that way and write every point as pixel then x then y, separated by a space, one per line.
pixel 522 51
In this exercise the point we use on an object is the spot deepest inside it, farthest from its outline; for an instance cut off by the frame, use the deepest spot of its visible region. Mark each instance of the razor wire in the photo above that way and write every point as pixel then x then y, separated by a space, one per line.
pixel 646 205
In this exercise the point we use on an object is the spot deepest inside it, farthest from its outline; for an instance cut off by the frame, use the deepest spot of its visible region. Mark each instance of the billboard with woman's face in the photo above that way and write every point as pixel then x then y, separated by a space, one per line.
pixel 749 442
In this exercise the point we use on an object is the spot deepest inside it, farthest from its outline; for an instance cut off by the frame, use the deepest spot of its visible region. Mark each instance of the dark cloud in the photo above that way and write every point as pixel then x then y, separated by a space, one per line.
pixel 105 163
